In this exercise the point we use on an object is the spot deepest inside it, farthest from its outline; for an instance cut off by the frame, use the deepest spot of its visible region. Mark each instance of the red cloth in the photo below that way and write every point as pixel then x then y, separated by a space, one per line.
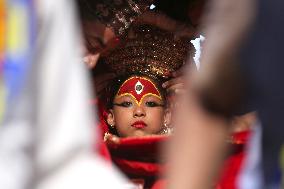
pixel 233 163
pixel 160 184
pixel 139 158
pixel 100 145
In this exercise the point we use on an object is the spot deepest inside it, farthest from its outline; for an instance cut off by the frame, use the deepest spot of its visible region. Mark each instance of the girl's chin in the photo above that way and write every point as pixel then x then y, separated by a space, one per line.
pixel 138 133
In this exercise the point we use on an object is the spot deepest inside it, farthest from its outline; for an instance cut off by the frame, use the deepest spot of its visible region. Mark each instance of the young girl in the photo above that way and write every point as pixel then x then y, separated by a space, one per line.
pixel 138 120
pixel 137 104
pixel 138 107
pixel 137 117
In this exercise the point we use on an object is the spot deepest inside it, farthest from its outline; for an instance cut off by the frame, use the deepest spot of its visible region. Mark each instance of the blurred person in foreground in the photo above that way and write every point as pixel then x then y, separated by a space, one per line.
pixel 241 68
pixel 104 22
pixel 46 135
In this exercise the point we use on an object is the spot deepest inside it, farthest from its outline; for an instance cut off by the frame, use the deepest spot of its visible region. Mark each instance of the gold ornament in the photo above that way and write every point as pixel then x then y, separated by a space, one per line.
pixel 149 50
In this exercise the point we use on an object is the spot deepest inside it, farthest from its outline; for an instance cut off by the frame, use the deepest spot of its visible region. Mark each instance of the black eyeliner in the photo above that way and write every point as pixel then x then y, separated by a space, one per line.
pixel 155 104
pixel 123 104
pixel 115 104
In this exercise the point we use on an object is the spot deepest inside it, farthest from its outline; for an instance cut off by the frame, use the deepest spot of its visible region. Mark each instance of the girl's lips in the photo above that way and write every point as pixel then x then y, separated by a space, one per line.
pixel 139 124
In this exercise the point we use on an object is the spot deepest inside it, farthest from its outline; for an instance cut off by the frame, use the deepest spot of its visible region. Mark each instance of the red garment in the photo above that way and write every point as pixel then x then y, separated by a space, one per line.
pixel 100 145
pixel 234 161
pixel 136 157
pixel 139 158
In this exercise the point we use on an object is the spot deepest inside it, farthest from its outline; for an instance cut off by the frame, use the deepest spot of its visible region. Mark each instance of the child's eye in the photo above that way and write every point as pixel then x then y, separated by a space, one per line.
pixel 152 104
pixel 124 104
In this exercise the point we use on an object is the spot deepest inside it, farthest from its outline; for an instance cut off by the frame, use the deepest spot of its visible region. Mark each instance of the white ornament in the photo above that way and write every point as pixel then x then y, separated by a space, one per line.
pixel 139 87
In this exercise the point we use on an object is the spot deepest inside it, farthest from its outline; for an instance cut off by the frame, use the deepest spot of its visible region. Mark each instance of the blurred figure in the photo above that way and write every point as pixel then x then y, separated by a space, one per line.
pixel 104 21
pixel 47 131
pixel 241 65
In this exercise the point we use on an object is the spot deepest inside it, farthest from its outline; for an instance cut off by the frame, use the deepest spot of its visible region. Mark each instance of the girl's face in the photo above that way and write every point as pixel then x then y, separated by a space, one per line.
pixel 134 116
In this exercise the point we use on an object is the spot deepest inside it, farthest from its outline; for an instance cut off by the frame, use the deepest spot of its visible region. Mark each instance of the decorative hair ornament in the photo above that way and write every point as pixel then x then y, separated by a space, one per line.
pixel 138 87
pixel 149 50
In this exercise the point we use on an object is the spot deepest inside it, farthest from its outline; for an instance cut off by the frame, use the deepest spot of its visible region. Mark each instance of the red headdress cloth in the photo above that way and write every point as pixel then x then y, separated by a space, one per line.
pixel 138 87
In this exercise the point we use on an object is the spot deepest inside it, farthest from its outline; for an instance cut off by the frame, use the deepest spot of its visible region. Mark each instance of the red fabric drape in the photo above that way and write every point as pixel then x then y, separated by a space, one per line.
pixel 139 158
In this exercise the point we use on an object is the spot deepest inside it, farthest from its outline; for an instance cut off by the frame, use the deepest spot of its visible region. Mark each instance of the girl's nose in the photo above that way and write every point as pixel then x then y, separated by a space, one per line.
pixel 139 111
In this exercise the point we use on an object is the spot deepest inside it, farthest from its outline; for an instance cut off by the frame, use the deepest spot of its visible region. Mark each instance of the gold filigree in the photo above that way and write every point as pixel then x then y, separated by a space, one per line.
pixel 149 50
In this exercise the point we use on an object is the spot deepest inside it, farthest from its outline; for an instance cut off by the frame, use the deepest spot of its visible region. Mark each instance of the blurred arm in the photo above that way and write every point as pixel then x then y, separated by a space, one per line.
pixel 200 136
pixel 198 147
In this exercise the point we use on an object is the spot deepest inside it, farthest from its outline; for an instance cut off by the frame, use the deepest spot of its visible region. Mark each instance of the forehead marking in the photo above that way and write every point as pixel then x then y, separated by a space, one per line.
pixel 139 88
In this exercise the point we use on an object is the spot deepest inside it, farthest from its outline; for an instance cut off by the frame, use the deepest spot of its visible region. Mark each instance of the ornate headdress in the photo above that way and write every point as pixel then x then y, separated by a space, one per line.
pixel 116 14
pixel 149 50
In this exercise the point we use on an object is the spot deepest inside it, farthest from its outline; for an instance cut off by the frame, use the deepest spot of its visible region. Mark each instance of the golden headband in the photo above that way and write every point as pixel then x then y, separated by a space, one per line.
pixel 138 87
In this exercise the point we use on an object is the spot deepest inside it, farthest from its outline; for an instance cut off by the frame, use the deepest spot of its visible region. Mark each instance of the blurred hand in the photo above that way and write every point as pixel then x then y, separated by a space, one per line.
pixel 111 139
pixel 166 23
pixel 176 84
pixel 91 60
pixel 175 87
pixel 98 39
pixel 244 122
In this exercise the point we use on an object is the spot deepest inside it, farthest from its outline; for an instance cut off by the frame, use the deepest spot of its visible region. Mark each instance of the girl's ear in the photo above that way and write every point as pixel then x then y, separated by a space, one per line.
pixel 110 118
pixel 167 116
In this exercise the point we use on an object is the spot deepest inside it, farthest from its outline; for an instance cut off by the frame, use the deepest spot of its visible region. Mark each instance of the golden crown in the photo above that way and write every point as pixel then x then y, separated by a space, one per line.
pixel 149 50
